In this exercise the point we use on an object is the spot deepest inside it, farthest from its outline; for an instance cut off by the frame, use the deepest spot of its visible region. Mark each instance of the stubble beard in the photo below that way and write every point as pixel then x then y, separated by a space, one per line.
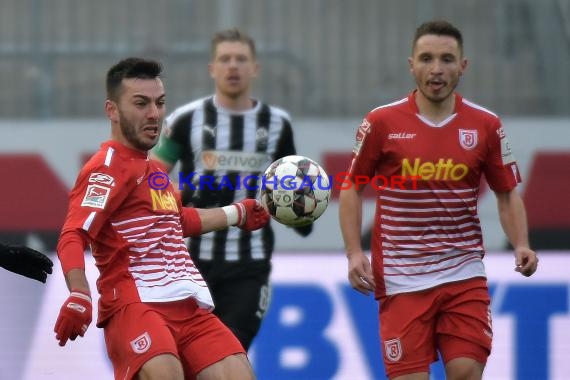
pixel 129 131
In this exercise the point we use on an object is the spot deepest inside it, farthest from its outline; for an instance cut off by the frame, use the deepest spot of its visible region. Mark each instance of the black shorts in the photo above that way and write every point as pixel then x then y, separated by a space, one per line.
pixel 241 293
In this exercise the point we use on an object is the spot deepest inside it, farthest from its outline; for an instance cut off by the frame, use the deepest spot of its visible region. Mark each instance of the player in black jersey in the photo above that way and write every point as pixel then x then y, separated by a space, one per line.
pixel 219 141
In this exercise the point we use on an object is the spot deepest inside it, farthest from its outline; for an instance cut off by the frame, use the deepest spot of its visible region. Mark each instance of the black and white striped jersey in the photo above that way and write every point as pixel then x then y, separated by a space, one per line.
pixel 222 156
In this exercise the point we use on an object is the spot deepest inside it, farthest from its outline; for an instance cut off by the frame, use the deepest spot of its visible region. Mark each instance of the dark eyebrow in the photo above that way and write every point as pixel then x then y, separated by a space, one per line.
pixel 147 98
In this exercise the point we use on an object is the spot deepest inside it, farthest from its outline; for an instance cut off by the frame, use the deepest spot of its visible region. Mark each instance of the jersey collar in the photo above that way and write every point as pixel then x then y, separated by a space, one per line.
pixel 124 150
pixel 412 100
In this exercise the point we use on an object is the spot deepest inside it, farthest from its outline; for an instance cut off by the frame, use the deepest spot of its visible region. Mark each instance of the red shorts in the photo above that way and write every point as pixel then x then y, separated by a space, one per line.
pixel 454 319
pixel 139 332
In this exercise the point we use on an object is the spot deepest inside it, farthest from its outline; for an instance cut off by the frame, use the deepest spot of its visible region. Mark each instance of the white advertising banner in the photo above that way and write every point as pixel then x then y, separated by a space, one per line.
pixel 318 327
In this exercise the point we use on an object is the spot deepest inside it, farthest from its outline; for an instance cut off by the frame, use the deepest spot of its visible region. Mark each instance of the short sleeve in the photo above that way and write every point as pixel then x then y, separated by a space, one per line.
pixel 501 170
pixel 98 191
pixel 367 147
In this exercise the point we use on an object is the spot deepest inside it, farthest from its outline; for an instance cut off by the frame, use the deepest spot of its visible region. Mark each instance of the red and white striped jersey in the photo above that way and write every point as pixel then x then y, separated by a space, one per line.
pixel 427 229
pixel 135 231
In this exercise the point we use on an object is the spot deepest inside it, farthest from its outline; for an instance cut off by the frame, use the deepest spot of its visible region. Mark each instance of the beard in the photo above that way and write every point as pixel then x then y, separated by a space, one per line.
pixel 129 131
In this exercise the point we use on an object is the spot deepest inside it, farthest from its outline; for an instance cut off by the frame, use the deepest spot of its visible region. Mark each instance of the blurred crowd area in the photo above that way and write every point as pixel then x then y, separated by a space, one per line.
pixel 320 58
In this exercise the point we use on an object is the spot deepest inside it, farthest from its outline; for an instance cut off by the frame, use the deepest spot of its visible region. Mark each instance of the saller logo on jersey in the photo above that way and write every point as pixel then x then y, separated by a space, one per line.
pixel 443 169
pixel 141 344
pixel 393 349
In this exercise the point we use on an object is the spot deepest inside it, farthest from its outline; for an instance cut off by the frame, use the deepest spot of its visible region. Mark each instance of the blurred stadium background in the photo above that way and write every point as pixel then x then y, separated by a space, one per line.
pixel 328 62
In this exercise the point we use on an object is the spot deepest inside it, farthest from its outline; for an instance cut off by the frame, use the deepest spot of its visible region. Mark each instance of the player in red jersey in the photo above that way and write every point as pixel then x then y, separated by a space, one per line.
pixel 427 249
pixel 154 306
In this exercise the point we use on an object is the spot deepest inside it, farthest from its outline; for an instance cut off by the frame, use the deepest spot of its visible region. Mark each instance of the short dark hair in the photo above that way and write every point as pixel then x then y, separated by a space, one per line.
pixel 131 67
pixel 439 28
pixel 232 35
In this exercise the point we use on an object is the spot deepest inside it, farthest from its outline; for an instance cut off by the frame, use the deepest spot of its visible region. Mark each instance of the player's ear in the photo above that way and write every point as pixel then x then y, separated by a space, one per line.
pixel 463 65
pixel 111 110
pixel 256 69
pixel 211 69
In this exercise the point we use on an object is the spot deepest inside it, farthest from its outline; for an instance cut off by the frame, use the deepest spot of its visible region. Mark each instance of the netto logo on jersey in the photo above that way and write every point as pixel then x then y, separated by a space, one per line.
pixel 234 161
pixel 163 200
pixel 443 169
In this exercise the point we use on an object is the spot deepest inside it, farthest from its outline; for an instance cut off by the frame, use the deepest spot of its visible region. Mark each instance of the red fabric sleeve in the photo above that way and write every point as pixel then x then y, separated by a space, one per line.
pixel 501 170
pixel 191 222
pixel 367 148
pixel 71 250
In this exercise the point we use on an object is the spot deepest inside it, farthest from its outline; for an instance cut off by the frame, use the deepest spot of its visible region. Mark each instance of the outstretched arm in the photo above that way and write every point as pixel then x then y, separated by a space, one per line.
pixel 25 261
pixel 247 214
pixel 513 219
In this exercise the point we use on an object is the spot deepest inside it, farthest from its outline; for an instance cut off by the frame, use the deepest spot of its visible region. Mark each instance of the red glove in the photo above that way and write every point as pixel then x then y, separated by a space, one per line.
pixel 251 215
pixel 74 317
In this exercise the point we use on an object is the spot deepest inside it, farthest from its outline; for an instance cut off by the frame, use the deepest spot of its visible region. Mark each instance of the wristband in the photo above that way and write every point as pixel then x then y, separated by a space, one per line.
pixel 81 294
pixel 232 214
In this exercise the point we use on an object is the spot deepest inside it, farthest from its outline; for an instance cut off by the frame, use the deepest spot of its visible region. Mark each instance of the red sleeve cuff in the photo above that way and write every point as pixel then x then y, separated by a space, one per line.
pixel 71 250
pixel 191 222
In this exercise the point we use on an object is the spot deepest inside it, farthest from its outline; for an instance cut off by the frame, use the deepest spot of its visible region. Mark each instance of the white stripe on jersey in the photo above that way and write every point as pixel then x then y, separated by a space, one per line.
pixel 477 106
pixel 159 262
pixel 427 200
pixel 444 209
pixel 434 219
pixel 150 217
pixel 417 265
pixel 430 236
pixel 391 104
pixel 431 245
pixel 89 221
pixel 430 227
pixel 435 191
pixel 109 156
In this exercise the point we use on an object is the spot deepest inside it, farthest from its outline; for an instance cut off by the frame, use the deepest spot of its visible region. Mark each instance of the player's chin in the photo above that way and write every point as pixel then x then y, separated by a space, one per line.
pixel 234 91
pixel 147 143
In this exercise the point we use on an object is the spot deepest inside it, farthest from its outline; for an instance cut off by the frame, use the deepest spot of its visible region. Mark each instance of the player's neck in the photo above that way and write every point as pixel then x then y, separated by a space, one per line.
pixel 238 104
pixel 436 112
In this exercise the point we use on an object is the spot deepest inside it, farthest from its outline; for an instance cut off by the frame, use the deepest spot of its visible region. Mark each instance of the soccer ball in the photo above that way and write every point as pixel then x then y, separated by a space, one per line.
pixel 295 190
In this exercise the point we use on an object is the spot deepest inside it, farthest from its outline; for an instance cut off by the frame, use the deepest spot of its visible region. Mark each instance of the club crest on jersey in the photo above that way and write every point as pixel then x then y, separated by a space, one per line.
pixel 393 349
pixel 468 138
pixel 96 196
pixel 141 344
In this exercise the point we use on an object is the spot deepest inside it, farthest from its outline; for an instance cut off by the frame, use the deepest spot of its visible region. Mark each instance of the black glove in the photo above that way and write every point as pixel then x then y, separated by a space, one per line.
pixel 25 261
